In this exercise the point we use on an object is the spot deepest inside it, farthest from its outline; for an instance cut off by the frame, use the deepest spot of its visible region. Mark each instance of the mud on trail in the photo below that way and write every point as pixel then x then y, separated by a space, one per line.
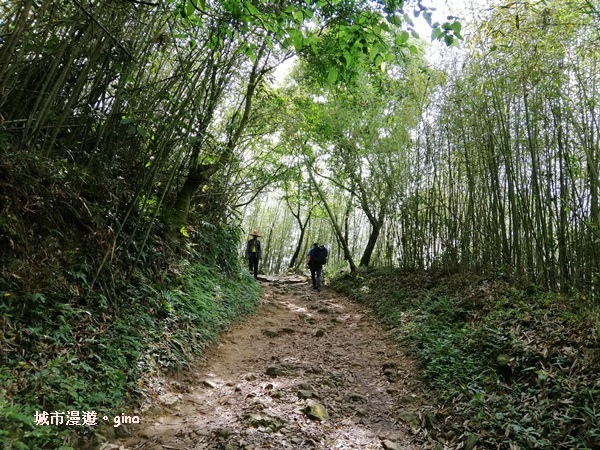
pixel 308 370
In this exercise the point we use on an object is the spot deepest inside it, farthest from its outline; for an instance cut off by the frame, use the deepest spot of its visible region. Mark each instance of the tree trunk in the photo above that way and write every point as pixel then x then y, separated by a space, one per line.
pixel 343 242
pixel 197 177
pixel 302 226
pixel 366 257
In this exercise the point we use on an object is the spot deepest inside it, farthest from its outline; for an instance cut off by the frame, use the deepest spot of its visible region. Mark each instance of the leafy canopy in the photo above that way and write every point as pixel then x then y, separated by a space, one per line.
pixel 336 35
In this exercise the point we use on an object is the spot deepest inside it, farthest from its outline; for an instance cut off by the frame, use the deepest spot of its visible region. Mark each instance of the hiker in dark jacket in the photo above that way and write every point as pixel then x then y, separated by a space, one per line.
pixel 253 253
pixel 317 256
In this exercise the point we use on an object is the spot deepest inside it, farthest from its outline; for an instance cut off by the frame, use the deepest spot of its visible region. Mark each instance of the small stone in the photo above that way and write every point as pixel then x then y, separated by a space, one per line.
pixel 168 399
pixel 355 397
pixel 389 445
pixel 210 384
pixel 275 371
pixel 288 330
pixel 271 332
pixel 302 393
pixel 320 332
pixel 225 432
pixel 315 411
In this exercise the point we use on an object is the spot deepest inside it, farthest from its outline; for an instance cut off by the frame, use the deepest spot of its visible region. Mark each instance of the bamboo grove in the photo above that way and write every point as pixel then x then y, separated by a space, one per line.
pixel 520 159
pixel 500 174
pixel 160 116
pixel 135 114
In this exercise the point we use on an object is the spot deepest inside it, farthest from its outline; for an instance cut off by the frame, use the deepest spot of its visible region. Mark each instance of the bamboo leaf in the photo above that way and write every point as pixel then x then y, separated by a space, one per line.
pixel 252 9
pixel 189 8
pixel 332 76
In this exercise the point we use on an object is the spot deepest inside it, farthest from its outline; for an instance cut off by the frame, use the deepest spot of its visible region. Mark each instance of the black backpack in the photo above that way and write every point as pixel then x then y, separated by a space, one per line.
pixel 319 255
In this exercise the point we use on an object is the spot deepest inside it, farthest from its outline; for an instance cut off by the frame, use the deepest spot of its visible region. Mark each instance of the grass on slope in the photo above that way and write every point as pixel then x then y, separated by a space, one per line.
pixel 514 366
pixel 60 357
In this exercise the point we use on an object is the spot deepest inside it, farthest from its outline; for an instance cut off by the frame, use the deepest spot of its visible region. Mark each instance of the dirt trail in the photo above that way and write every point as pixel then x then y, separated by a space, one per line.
pixel 304 354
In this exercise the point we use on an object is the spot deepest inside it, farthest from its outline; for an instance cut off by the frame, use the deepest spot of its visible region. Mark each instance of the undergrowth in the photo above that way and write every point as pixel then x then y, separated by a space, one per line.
pixel 514 366
pixel 81 332
pixel 65 358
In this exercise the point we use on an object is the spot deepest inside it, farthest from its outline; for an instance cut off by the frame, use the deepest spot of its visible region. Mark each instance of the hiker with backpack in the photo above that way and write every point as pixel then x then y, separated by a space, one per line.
pixel 253 253
pixel 316 258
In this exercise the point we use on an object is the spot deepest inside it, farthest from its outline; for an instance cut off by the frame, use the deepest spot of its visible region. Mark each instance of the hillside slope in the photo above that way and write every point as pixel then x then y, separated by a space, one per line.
pixel 513 365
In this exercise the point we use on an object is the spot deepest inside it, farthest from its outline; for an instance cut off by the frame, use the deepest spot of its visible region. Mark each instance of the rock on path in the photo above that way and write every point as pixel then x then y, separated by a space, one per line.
pixel 308 370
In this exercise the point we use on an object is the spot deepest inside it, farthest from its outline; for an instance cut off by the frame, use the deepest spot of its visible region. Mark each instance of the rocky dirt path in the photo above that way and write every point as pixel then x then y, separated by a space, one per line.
pixel 309 370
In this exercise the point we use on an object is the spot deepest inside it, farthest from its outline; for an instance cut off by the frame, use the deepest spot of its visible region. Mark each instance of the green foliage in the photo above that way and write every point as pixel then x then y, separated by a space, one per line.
pixel 18 429
pixel 338 37
pixel 216 245
pixel 512 364
pixel 59 356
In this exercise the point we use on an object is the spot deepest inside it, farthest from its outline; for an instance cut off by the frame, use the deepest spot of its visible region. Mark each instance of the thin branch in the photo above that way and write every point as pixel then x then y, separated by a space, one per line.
pixel 142 2
pixel 80 6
